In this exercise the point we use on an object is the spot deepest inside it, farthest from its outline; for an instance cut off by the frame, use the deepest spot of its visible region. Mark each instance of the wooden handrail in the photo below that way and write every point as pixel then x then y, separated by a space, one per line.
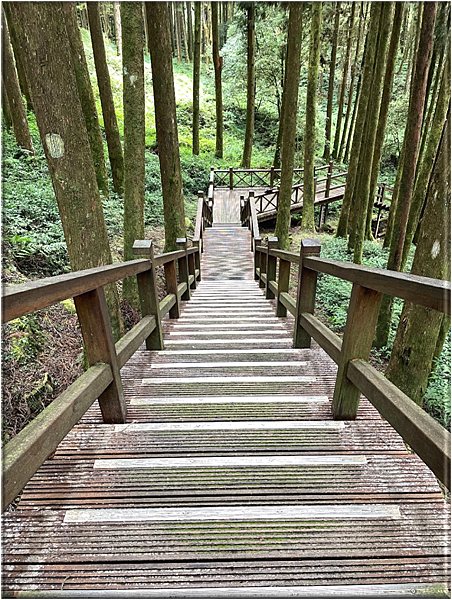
pixel 355 375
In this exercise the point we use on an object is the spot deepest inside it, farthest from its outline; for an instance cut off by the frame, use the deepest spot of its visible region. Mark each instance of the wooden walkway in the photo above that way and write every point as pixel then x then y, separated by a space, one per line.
pixel 230 479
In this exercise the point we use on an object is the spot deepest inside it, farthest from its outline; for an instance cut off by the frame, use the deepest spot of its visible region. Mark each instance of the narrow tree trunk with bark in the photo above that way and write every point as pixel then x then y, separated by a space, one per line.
pixel 278 147
pixel 307 222
pixel 23 83
pixel 250 86
pixel 165 122
pixel 86 95
pixel 62 128
pixel 329 108
pixel 118 29
pixel 6 112
pixel 134 137
pixel 290 95
pixel 340 109
pixel 419 327
pixel 196 76
pixel 177 33
pixel 13 93
pixel 218 65
pixel 366 83
pixel 106 98
pixel 190 30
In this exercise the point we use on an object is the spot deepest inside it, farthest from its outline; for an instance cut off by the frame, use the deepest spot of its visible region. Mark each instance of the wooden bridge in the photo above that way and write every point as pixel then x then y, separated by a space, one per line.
pixel 223 448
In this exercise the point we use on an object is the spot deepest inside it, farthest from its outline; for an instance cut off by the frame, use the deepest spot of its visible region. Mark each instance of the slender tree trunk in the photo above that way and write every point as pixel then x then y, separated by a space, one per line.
pixel 86 95
pixel 64 138
pixel 362 191
pixel 180 11
pixel 290 100
pixel 134 137
pixel 412 134
pixel 428 160
pixel 340 109
pixel 196 76
pixel 307 222
pixel 106 98
pixel 428 114
pixel 384 111
pixel 190 30
pixel 172 29
pixel 419 327
pixel 178 33
pixel 118 28
pixel 13 93
pixel 278 148
pixel 23 83
pixel 218 64
pixel 366 82
pixel 329 109
pixel 146 31
pixel 6 112
pixel 251 87
pixel 166 123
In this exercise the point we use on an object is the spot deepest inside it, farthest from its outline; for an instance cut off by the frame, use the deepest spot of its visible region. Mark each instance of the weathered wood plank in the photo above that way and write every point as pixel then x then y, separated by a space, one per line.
pixel 132 340
pixel 326 339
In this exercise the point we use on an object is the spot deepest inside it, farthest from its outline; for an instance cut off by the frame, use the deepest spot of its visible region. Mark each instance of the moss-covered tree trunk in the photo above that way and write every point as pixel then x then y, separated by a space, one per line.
pixel 23 83
pixel 134 136
pixel 13 93
pixel 8 120
pixel 340 109
pixel 417 334
pixel 106 98
pixel 196 76
pixel 165 122
pixel 362 187
pixel 59 116
pixel 307 222
pixel 293 64
pixel 282 110
pixel 329 107
pixel 86 94
pixel 189 30
pixel 428 159
pixel 358 136
pixel 218 65
pixel 250 87
pixel 384 111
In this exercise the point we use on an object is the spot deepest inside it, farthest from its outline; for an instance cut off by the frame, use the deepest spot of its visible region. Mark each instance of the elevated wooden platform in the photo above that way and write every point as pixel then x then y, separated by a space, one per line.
pixel 230 478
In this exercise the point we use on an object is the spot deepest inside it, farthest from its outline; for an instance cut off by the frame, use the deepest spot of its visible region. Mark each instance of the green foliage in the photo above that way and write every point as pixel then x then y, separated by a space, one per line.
pixel 437 396
pixel 26 337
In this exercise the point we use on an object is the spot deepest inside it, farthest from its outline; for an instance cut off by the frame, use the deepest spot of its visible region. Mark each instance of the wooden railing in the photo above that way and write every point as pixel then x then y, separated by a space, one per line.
pixel 26 452
pixel 355 375
pixel 204 218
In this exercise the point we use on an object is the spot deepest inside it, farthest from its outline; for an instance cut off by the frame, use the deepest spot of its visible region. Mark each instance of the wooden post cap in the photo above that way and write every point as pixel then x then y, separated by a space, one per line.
pixel 181 242
pixel 272 242
pixel 200 194
pixel 310 246
pixel 251 194
pixel 142 247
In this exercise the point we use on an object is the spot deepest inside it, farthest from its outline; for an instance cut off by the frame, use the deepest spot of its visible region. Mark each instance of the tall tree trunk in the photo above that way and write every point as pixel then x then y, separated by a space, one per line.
pixel 118 28
pixel 172 29
pixel 350 104
pixel 190 30
pixel 412 134
pixel 6 111
pixel 165 122
pixel 384 111
pixel 178 36
pixel 11 85
pixel 250 87
pixel 329 108
pixel 362 189
pixel 23 83
pixel 340 109
pixel 290 100
pixel 106 98
pixel 278 147
pixel 145 27
pixel 86 95
pixel 366 83
pixel 307 222
pixel 196 76
pixel 419 327
pixel 428 160
pixel 218 65
pixel 57 106
pixel 180 13
pixel 134 136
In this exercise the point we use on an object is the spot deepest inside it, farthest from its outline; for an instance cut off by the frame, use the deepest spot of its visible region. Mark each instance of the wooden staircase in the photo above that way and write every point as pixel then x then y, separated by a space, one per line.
pixel 230 478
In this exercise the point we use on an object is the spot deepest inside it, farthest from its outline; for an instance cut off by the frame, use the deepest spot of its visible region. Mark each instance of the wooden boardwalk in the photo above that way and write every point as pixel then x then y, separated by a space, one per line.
pixel 230 478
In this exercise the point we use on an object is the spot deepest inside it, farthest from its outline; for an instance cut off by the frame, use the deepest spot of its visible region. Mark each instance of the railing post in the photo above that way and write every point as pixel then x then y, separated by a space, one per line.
pixel 149 294
pixel 262 266
pixel 272 176
pixel 250 222
pixel 328 179
pixel 171 287
pixel 283 285
pixel 307 284
pixel 315 187
pixel 192 269
pixel 271 267
pixel 183 268
pixel 359 332
pixel 231 178
pixel 99 345
pixel 212 183
pixel 197 258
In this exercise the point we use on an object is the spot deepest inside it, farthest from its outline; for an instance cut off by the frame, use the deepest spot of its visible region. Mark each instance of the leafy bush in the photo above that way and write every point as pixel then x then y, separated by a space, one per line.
pixel 437 396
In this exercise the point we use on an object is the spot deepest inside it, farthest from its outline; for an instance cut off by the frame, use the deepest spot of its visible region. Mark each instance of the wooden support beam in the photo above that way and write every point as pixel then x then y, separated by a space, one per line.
pixel 271 268
pixel 171 288
pixel 99 345
pixel 184 272
pixel 307 284
pixel 359 332
pixel 283 286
